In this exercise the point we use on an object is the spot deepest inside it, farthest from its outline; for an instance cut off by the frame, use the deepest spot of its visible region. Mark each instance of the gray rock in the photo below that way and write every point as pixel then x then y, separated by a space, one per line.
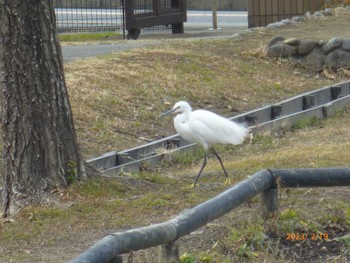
pixel 333 54
pixel 318 14
pixel 306 46
pixel 286 21
pixel 315 59
pixel 339 11
pixel 252 30
pixel 275 25
pixel 236 35
pixel 297 19
pixel 292 41
pixel 275 40
pixel 296 61
pixel 346 43
pixel 281 50
pixel 308 14
pixel 338 59
pixel 328 12
pixel 332 45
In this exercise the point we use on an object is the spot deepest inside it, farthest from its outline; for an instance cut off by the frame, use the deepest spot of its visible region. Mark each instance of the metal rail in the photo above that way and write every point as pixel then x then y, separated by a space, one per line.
pixel 320 103
pixel 110 247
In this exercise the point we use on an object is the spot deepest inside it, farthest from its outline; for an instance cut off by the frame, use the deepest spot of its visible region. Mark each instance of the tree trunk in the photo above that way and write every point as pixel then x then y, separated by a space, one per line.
pixel 40 150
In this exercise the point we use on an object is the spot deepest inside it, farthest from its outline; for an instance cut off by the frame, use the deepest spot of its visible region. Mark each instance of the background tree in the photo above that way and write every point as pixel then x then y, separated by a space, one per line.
pixel 40 150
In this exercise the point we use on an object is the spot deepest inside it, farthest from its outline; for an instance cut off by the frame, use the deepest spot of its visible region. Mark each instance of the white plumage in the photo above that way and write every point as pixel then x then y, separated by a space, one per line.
pixel 207 129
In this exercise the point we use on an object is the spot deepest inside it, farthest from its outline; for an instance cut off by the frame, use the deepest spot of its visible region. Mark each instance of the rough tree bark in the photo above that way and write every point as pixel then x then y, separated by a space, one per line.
pixel 40 149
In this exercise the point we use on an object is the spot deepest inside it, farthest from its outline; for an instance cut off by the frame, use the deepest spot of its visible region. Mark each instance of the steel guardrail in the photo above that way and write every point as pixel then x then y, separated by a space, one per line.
pixel 320 103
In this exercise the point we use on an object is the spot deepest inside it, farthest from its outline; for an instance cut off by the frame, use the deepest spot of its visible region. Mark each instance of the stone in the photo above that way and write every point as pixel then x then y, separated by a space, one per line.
pixel 328 12
pixel 236 35
pixel 297 19
pixel 275 25
pixel 308 15
pixel 292 41
pixel 275 40
pixel 346 44
pixel 315 59
pixel 296 61
pixel 281 50
pixel 338 59
pixel 318 14
pixel 306 46
pixel 339 11
pixel 286 22
pixel 332 45
pixel 315 55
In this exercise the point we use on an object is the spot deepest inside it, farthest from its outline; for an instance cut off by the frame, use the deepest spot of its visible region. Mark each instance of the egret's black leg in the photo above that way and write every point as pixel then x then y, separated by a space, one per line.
pixel 200 172
pixel 222 165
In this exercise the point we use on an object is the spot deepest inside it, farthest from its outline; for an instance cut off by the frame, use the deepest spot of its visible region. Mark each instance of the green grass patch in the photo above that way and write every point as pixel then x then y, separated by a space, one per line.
pixel 305 123
pixel 91 36
pixel 97 188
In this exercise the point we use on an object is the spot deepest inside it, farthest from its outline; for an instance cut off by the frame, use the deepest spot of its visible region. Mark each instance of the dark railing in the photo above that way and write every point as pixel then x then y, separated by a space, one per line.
pixel 111 15
pixel 320 103
pixel 264 182
pixel 148 13
pixel 88 16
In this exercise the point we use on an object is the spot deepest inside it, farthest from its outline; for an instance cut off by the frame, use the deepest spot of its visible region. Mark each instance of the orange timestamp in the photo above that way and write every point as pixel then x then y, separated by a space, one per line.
pixel 304 236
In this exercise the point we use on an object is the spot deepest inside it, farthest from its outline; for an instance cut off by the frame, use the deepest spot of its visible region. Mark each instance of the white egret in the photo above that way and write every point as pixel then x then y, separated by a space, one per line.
pixel 207 129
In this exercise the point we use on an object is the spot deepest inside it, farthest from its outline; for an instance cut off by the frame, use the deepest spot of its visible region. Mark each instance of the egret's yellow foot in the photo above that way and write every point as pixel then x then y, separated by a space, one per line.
pixel 191 186
pixel 228 181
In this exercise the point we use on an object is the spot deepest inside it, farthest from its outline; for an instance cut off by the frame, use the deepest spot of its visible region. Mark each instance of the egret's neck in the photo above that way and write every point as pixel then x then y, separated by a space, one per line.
pixel 182 117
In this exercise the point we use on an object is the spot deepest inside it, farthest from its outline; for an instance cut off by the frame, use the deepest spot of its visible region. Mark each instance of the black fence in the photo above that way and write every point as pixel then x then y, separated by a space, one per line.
pixel 149 13
pixel 89 16
pixel 113 15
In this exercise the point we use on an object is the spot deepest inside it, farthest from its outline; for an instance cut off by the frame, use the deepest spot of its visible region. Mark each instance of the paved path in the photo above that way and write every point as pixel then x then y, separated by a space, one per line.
pixel 71 53
pixel 146 38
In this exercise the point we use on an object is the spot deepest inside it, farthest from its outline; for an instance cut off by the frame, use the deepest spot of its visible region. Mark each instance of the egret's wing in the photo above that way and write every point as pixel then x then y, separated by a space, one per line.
pixel 212 128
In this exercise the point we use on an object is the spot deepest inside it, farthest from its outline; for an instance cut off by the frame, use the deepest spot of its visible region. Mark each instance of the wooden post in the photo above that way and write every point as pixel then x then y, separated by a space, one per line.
pixel 169 253
pixel 177 28
pixel 269 203
pixel 215 16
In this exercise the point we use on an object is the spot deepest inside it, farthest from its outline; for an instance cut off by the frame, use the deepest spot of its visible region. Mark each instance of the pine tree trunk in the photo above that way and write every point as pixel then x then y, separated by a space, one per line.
pixel 40 149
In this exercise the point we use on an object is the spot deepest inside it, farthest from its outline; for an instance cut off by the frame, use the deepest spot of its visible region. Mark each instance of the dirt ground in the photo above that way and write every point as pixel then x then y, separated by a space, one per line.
pixel 53 246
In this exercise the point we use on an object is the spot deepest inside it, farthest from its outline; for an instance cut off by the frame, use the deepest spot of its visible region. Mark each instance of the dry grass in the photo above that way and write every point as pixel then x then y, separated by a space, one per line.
pixel 116 100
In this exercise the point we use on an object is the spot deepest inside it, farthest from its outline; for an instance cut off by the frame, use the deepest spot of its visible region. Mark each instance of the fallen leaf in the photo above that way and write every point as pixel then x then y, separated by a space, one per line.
pixel 328 75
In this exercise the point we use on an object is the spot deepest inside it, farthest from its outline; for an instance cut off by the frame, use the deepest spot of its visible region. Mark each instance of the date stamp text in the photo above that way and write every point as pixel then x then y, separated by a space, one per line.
pixel 304 236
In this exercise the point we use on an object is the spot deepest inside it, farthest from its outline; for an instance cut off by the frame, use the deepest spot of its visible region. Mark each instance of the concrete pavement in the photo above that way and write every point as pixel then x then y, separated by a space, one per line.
pixel 146 38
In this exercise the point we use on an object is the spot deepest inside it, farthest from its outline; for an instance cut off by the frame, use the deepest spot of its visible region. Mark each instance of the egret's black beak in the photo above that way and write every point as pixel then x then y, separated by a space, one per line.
pixel 167 112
